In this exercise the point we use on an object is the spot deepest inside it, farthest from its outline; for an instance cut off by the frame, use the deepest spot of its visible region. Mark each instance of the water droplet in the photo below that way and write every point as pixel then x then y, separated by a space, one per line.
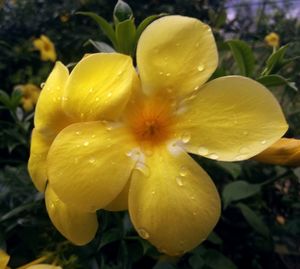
pixel 91 90
pixel 64 98
pixel 213 156
pixel 245 133
pixel 192 197
pixel 143 233
pixel 185 137
pixel 263 142
pixel 52 205
pixel 200 67
pixel 183 171
pixel 161 73
pixel 120 73
pixel 42 85
pixel 179 181
pixel 168 74
pixel 93 136
pixel 143 168
pixel 202 151
pixel 153 192
pixel 77 132
pixel 97 99
pixel 86 143
pixel 241 157
pixel 196 88
pixel 92 160
pixel 109 94
pixel 81 115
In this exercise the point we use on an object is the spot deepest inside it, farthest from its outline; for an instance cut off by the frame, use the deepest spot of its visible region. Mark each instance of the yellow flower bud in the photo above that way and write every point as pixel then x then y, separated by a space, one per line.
pixel 286 151
pixel 272 39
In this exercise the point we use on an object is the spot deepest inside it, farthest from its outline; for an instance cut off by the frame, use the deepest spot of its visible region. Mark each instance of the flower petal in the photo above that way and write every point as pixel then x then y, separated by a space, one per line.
pixel 37 165
pixel 174 204
pixel 49 117
pixel 77 226
pixel 120 203
pixel 43 266
pixel 4 259
pixel 231 118
pixel 99 86
pixel 176 54
pixel 87 164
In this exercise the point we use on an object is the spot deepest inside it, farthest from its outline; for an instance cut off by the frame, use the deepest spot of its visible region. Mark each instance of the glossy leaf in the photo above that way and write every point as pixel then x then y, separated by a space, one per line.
pixel 239 190
pixel 103 24
pixel 254 220
pixel 243 56
pixel 277 80
pixel 125 34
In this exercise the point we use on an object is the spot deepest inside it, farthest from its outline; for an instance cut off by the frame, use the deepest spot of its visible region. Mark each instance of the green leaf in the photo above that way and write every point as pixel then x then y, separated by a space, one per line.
pixel 4 98
pixel 216 260
pixel 277 80
pixel 239 190
pixel 122 12
pixel 215 239
pixel 275 61
pixel 234 169
pixel 103 24
pixel 243 56
pixel 196 261
pixel 125 34
pixel 101 46
pixel 254 220
pixel 109 237
pixel 146 22
pixel 15 98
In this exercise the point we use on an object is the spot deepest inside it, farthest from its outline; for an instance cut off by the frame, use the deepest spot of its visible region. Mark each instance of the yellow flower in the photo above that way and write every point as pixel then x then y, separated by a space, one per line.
pixel 46 48
pixel 272 40
pixel 30 96
pixel 107 137
pixel 4 259
pixel 64 17
pixel 285 151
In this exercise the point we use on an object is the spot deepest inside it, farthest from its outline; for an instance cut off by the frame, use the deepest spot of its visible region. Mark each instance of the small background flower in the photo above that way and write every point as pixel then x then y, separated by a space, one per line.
pixel 46 48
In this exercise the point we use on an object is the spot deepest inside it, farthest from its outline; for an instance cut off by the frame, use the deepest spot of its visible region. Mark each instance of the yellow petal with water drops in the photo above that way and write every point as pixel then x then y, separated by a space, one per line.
pixel 230 119
pixel 37 165
pixel 172 201
pixel 89 163
pixel 77 226
pixel 99 86
pixel 4 259
pixel 176 55
pixel 49 117
pixel 120 203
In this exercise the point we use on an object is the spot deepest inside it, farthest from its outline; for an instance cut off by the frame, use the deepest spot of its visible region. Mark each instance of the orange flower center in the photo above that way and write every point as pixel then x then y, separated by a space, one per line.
pixel 151 120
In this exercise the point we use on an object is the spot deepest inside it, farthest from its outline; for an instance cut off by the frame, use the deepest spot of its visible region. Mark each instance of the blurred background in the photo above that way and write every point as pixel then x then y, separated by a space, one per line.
pixel 260 223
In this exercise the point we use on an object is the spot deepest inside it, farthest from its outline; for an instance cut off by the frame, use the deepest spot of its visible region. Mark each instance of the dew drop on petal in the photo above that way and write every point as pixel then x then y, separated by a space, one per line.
pixel 200 67
pixel 241 157
pixel 77 132
pixel 183 171
pixel 168 74
pixel 86 143
pixel 91 90
pixel 245 132
pixel 143 168
pixel 244 150
pixel 185 137
pixel 161 73
pixel 97 99
pixel 109 94
pixel 143 233
pixel 213 156
pixel 42 85
pixel 263 142
pixel 179 181
pixel 202 151
pixel 92 160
